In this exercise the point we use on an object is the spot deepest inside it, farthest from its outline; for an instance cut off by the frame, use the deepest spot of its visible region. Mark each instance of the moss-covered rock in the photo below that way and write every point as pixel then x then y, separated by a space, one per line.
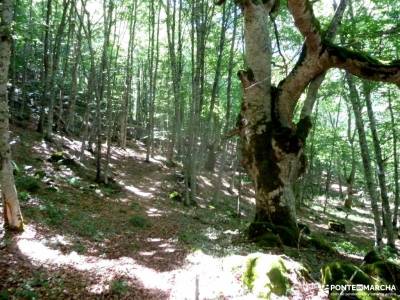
pixel 384 272
pixel 372 256
pixel 267 276
pixel 249 276
pixel 62 158
pixel 279 281
pixel 335 272
pixel 337 226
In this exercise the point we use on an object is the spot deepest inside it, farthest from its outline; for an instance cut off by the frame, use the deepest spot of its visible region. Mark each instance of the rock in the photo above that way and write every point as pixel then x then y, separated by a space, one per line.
pixel 268 276
pixel 336 272
pixel 385 272
pixel 62 158
pixel 336 226
pixel 372 257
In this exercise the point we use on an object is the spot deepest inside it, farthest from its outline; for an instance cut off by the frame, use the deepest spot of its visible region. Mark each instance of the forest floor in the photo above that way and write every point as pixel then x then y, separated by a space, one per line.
pixel 130 240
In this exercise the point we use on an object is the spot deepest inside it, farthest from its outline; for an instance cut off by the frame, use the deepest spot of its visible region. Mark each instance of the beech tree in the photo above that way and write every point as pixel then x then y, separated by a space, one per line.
pixel 12 213
pixel 272 143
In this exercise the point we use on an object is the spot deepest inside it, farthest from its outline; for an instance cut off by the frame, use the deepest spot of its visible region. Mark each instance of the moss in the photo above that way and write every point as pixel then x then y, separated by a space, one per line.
pixel 249 275
pixel 333 272
pixel 344 54
pixel 269 240
pixel 288 235
pixel 384 271
pixel 280 284
pixel 267 275
pixel 372 256
pixel 321 244
pixel 176 196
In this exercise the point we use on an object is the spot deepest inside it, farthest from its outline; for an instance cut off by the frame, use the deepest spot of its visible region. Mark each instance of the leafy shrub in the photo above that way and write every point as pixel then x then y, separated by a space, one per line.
pixel 27 183
pixel 347 247
pixel 23 196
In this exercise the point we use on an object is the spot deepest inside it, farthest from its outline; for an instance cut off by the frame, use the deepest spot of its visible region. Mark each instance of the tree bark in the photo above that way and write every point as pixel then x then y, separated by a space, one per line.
pixel 272 145
pixel 387 215
pixel 366 159
pixel 70 124
pixel 395 164
pixel 128 79
pixel 11 209
pixel 176 67
pixel 268 146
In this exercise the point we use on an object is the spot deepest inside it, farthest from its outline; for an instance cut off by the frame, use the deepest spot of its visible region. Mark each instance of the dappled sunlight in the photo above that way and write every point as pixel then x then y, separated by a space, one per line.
pixel 136 191
pixel 204 180
pixel 203 274
pixel 154 212
pixel 38 253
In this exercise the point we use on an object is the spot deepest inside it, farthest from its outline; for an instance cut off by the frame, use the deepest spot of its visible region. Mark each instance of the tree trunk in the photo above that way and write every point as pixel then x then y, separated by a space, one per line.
pixel 395 164
pixel 387 215
pixel 47 67
pixel 334 124
pixel 211 134
pixel 366 159
pixel 70 124
pixel 128 80
pixel 11 209
pixel 272 145
pixel 175 60
pixel 54 68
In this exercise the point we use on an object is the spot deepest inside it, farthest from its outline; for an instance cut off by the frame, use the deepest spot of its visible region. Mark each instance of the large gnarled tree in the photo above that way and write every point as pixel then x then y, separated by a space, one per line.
pixel 272 144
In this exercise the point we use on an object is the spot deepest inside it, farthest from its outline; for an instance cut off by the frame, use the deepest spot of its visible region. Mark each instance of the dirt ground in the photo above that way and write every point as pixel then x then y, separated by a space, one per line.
pixel 131 240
